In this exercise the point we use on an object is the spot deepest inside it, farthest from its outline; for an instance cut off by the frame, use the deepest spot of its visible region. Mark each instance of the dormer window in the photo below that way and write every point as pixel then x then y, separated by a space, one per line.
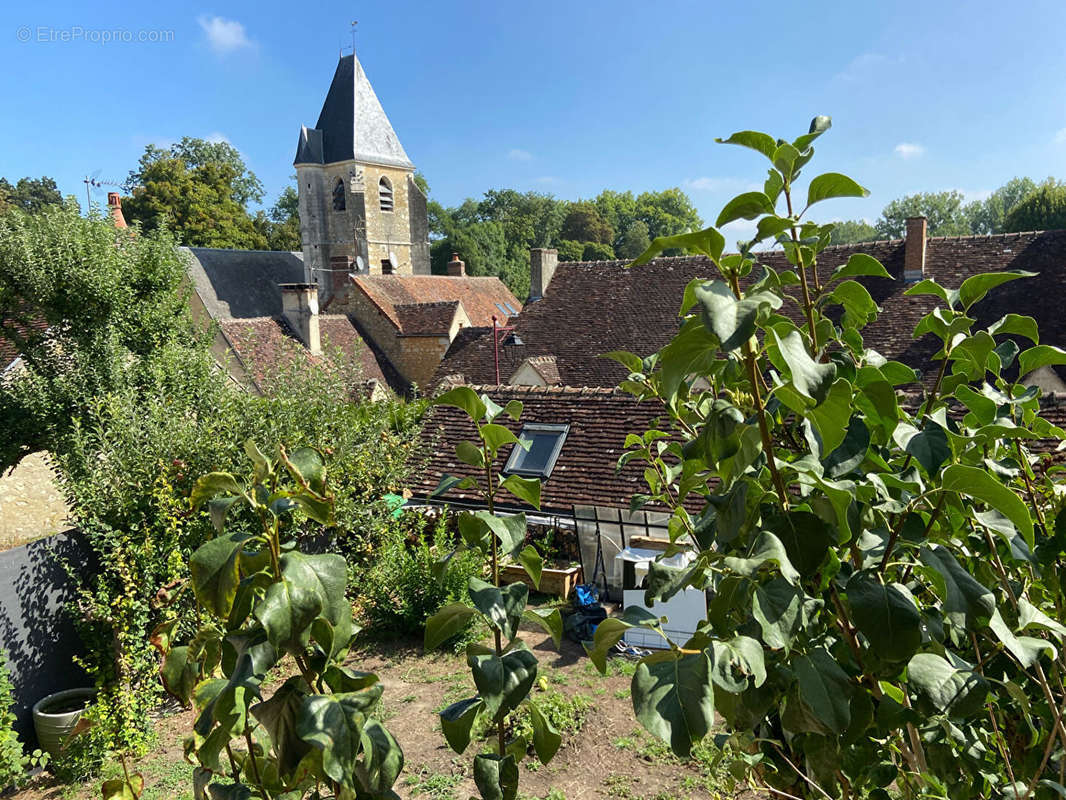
pixel 385 194
pixel 338 195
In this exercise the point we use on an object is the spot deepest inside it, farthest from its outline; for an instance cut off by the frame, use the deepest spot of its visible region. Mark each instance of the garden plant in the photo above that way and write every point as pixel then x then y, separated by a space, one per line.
pixel 883 552
pixel 261 600
pixel 504 673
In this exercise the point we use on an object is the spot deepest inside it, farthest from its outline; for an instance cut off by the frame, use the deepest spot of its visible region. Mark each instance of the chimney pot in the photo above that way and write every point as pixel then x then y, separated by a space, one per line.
pixel 299 307
pixel 914 250
pixel 114 206
pixel 456 267
pixel 542 264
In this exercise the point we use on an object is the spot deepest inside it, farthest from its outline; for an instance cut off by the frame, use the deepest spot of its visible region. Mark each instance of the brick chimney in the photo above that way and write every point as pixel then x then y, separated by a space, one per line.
pixel 299 307
pixel 914 250
pixel 542 264
pixel 456 267
pixel 114 205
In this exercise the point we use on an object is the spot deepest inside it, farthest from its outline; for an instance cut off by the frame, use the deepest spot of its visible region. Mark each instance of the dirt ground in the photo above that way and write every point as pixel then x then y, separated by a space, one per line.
pixel 30 503
pixel 609 756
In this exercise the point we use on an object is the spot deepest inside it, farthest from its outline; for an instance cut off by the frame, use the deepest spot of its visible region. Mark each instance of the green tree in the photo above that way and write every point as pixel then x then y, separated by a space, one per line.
pixel 597 251
pixel 634 240
pixel 943 210
pixel 667 213
pixel 990 215
pixel 583 223
pixel 853 230
pixel 200 190
pixel 618 209
pixel 1043 209
pixel 569 250
pixel 29 194
pixel 281 226
pixel 885 616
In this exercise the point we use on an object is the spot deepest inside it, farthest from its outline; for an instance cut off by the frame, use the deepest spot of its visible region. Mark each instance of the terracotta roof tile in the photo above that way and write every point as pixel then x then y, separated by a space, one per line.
pixel 427 319
pixel 595 307
pixel 266 346
pixel 585 472
pixel 479 296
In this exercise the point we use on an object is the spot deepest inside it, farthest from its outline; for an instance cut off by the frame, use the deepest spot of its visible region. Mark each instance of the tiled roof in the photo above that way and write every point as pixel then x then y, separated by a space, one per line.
pixel 8 351
pixel 267 346
pixel 479 296
pixel 545 366
pixel 242 284
pixel 585 472
pixel 427 319
pixel 595 307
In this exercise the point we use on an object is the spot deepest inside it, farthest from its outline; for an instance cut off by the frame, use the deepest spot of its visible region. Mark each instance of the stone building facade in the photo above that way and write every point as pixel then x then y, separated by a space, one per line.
pixel 361 211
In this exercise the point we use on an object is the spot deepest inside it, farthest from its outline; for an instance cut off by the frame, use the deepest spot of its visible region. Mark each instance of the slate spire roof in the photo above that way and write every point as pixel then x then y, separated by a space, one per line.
pixel 352 125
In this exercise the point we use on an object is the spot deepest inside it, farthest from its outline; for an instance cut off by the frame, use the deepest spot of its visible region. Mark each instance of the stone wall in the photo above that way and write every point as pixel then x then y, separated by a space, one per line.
pixel 31 505
pixel 420 356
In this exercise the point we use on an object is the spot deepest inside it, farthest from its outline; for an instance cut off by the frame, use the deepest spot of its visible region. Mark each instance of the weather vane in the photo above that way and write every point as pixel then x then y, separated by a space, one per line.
pixel 353 23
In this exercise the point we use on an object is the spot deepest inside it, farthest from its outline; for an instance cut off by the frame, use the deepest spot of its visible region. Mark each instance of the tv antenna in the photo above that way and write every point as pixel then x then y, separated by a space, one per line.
pixel 94 185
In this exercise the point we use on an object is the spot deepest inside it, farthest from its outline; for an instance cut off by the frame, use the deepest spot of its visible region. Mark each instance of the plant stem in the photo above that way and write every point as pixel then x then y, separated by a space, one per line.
pixel 808 307
pixel 490 496
pixel 255 764
pixel 760 411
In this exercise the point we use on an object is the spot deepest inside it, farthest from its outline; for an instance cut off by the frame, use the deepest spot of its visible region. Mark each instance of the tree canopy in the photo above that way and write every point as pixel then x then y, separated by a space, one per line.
pixel 493 235
pixel 29 194
pixel 1043 209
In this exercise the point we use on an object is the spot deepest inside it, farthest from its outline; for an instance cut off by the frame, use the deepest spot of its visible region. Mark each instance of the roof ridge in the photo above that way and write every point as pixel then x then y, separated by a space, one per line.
pixel 560 389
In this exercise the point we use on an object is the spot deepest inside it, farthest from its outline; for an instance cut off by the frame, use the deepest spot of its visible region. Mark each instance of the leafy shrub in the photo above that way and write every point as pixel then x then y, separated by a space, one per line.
pixel 400 587
pixel 887 608
pixel 11 757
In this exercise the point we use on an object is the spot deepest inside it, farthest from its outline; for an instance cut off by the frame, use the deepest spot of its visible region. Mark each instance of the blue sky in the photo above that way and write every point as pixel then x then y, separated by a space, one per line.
pixel 564 97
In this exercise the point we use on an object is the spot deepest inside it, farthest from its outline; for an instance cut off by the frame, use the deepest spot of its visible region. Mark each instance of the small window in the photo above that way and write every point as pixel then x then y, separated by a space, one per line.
pixel 386 267
pixel 545 442
pixel 338 195
pixel 510 308
pixel 385 194
pixel 503 310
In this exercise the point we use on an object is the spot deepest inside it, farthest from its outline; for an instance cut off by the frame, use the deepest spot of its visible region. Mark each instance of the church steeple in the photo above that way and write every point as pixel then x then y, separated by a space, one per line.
pixel 352 125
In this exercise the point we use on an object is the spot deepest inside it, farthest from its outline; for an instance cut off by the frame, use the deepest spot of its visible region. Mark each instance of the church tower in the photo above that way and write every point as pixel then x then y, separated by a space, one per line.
pixel 361 211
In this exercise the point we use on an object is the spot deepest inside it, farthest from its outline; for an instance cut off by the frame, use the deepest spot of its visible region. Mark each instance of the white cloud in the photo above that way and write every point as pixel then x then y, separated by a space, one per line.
pixel 907 150
pixel 519 155
pixel 741 230
pixel 224 35
pixel 708 184
pixel 1060 136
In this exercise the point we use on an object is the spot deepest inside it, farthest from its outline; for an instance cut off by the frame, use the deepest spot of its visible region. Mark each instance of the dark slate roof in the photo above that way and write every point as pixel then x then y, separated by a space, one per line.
pixel 352 124
pixel 585 473
pixel 266 346
pixel 242 284
pixel 595 307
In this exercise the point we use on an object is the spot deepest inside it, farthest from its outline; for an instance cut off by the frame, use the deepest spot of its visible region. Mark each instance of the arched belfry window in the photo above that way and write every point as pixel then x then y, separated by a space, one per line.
pixel 385 194
pixel 338 195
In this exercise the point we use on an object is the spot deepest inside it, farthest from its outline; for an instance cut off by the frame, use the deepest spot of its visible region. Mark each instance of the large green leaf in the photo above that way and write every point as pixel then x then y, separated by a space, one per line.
pixel 778 607
pixel 308 466
pixel 1042 355
pixel 831 417
pixel 215 571
pixel 446 623
pixel 859 307
pixel 825 688
pixel 333 723
pixel 502 606
pixel 673 698
pixel 929 446
pixel 382 759
pixel 124 788
pixel 736 663
pixel 509 529
pixel 768 550
pixel 809 377
pixel 850 453
pixel 952 689
pixel 326 575
pixel 457 720
pixel 833 184
pixel 212 484
pixel 755 140
pixel 550 619
pixel 861 265
pixel 496 436
pixel 278 716
pixel 967 604
pixel 179 674
pixel 886 615
pixel 496 777
pixel 286 613
pixel 975 287
pixel 731 320
pixel 612 629
pixel 465 398
pixel 533 564
pixel 819 125
pixel 503 682
pixel 745 206
pixel 546 739
pixel 981 485
pixel 708 242
pixel 527 489
pixel 806 538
